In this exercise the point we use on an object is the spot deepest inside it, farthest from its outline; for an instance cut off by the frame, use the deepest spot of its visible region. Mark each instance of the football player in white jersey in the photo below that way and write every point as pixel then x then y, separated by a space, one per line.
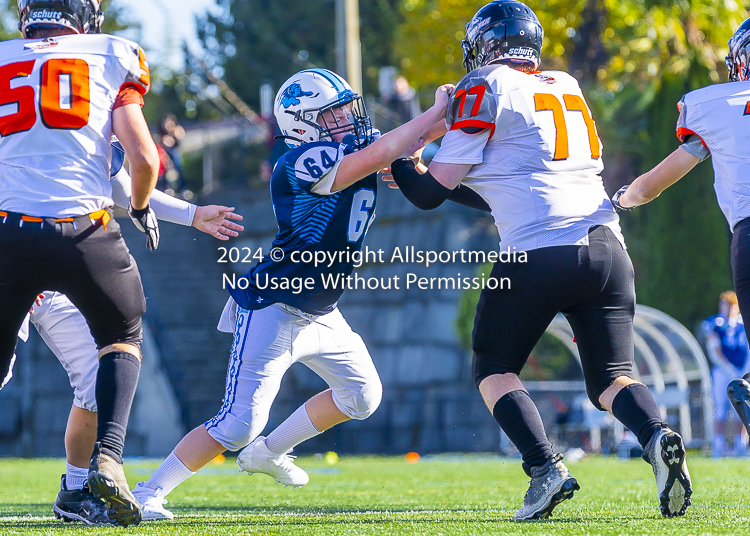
pixel 715 121
pixel 324 193
pixel 525 141
pixel 64 330
pixel 63 91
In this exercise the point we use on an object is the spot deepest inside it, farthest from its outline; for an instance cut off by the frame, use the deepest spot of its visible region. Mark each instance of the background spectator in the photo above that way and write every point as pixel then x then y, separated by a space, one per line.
pixel 171 179
pixel 727 347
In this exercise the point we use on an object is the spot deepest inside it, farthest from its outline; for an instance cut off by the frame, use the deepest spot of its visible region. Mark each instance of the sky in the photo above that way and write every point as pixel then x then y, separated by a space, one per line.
pixel 165 19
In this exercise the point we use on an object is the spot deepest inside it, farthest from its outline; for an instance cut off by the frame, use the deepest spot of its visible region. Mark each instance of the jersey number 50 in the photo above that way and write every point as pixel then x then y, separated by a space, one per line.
pixel 573 103
pixel 64 99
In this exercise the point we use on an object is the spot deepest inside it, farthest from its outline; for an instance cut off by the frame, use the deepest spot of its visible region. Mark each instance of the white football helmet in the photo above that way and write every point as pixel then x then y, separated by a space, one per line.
pixel 303 98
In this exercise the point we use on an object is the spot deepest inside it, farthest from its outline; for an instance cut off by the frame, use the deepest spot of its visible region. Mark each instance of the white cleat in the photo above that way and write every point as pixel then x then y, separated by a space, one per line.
pixel 666 454
pixel 257 458
pixel 152 503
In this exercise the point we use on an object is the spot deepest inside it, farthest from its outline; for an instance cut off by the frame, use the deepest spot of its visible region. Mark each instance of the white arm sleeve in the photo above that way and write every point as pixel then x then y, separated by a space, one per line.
pixel 165 206
pixel 325 183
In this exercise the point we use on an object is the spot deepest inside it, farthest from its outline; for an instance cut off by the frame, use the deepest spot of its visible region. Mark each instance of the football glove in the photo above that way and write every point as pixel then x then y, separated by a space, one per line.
pixel 616 200
pixel 358 143
pixel 145 221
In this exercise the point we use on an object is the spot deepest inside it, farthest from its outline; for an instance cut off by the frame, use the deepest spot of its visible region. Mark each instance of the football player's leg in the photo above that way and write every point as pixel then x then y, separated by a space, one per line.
pixel 719 383
pixel 259 357
pixel 346 366
pixel 66 333
pixel 603 326
pixel 15 304
pixel 102 280
pixel 739 389
pixel 508 325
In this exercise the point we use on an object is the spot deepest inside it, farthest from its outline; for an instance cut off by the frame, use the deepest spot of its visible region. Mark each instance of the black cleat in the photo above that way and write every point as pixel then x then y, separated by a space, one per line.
pixel 79 505
pixel 666 454
pixel 738 392
pixel 107 482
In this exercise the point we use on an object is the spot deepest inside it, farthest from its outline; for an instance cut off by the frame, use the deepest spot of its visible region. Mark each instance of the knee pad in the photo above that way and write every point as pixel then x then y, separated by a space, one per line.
pixel 360 404
pixel 232 433
pixel 595 391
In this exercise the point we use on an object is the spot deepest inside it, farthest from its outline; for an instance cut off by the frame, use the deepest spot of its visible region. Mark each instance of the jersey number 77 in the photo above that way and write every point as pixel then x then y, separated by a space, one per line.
pixel 64 95
pixel 573 103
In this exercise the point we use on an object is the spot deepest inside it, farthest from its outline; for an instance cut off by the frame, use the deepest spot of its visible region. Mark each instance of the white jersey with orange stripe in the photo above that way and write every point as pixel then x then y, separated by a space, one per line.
pixel 536 155
pixel 56 102
pixel 720 116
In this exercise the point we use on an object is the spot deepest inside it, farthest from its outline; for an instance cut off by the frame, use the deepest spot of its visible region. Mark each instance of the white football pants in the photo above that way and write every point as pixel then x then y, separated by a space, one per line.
pixel 269 341
pixel 67 334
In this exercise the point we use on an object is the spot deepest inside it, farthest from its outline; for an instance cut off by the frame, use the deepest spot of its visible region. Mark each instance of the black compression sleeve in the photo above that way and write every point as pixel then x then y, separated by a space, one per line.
pixel 463 195
pixel 422 190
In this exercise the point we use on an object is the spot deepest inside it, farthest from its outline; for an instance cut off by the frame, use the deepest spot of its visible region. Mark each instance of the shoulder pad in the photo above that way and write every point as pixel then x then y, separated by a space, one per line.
pixel 138 72
pixel 313 160
pixel 683 131
pixel 473 107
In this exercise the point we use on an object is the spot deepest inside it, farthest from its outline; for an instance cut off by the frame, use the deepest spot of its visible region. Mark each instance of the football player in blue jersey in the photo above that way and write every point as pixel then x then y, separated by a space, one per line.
pixel 323 192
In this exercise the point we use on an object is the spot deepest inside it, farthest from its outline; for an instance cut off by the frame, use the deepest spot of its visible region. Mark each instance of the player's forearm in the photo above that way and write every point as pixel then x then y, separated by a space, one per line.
pixel 435 131
pixel 382 152
pixel 394 143
pixel 650 185
pixel 144 172
pixel 166 207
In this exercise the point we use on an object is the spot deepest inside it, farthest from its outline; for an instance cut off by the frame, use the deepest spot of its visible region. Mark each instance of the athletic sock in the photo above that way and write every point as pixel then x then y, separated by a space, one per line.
pixel 297 428
pixel 519 418
pixel 170 474
pixel 75 476
pixel 116 381
pixel 635 407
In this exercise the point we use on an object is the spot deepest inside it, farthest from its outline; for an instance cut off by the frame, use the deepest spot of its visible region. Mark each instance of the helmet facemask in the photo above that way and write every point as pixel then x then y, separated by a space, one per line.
pixel 328 121
pixel 738 59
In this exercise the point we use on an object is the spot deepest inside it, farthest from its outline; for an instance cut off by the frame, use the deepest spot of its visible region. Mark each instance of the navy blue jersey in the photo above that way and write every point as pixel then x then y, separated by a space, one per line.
pixel 308 223
pixel 733 339
pixel 118 158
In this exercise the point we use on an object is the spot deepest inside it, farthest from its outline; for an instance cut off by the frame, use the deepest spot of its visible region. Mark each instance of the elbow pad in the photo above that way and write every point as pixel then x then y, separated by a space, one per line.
pixel 421 190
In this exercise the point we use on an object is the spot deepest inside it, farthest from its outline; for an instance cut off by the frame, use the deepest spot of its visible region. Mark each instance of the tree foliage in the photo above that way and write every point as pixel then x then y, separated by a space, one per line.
pixel 255 41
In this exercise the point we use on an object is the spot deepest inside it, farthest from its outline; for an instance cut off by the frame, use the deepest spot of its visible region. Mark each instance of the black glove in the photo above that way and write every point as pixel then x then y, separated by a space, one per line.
pixel 145 221
pixel 616 200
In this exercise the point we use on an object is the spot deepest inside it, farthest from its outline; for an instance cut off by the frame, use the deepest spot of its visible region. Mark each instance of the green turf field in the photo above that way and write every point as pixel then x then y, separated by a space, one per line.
pixel 448 494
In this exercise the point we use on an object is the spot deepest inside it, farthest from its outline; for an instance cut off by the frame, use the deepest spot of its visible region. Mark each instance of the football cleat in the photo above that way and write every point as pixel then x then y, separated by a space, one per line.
pixel 107 482
pixel 666 454
pixel 79 505
pixel 738 392
pixel 550 485
pixel 152 503
pixel 257 458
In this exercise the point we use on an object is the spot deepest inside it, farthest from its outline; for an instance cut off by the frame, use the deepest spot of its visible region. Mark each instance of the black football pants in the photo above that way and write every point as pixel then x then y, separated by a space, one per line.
pixel 741 265
pixel 90 265
pixel 591 285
